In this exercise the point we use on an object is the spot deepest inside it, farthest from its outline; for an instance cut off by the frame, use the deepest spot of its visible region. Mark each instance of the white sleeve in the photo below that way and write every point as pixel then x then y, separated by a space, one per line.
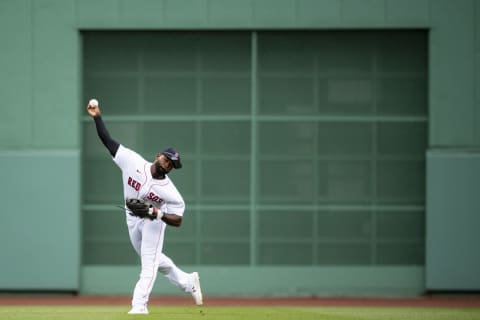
pixel 126 158
pixel 174 205
pixel 173 201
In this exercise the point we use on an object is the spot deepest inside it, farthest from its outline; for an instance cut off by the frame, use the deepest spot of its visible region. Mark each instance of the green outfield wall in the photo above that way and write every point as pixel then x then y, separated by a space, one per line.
pixel 377 100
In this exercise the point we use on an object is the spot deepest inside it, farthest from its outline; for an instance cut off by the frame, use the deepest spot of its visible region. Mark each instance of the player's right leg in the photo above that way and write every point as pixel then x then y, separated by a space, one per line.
pixel 135 226
pixel 151 247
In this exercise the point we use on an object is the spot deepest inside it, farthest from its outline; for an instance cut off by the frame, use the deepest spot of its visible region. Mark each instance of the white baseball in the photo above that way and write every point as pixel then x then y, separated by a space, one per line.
pixel 93 102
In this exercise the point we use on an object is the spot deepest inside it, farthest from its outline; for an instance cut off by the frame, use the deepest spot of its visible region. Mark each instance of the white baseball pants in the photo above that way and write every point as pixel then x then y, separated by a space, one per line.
pixel 147 237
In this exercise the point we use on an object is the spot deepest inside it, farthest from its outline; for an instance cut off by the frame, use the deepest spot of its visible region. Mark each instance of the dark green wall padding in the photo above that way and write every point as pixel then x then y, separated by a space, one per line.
pixel 331 146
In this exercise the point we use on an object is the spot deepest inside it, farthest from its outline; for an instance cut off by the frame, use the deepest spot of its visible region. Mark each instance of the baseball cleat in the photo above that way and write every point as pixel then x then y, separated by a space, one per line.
pixel 138 310
pixel 197 290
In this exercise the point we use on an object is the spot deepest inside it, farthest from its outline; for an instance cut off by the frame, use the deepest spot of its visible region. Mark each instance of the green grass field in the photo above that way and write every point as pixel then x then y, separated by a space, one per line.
pixel 236 313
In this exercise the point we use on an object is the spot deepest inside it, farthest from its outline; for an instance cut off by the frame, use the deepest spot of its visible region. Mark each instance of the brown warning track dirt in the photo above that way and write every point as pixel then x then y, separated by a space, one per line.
pixel 38 300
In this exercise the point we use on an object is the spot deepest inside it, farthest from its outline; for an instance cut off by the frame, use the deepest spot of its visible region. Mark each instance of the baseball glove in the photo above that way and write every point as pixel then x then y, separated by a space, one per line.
pixel 141 208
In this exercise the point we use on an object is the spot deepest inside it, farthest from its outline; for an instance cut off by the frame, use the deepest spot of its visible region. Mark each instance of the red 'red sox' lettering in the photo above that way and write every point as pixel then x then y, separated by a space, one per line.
pixel 152 196
pixel 134 184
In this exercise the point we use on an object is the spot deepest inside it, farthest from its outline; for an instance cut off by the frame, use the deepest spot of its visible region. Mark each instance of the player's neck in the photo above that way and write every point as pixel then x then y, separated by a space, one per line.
pixel 155 174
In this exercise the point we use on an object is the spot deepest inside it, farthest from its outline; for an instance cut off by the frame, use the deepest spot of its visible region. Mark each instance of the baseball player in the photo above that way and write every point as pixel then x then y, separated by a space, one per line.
pixel 149 181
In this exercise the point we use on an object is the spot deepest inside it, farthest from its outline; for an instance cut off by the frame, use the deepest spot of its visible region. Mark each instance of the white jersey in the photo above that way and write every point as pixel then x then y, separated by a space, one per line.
pixel 138 183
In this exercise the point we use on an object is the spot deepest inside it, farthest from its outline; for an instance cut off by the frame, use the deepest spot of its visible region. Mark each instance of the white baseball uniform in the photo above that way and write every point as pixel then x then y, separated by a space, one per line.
pixel 146 235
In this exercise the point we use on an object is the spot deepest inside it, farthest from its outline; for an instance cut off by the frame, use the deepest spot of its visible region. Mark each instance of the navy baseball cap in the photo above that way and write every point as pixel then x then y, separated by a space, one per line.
pixel 174 156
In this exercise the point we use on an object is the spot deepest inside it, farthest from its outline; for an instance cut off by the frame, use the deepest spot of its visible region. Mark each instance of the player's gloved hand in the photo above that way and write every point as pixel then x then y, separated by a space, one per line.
pixel 143 209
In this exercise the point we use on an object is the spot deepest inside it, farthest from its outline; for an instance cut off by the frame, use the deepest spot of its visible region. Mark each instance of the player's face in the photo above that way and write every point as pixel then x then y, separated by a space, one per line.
pixel 164 162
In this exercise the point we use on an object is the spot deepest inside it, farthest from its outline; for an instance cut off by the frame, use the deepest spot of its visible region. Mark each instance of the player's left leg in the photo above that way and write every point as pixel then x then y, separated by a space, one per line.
pixel 187 282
